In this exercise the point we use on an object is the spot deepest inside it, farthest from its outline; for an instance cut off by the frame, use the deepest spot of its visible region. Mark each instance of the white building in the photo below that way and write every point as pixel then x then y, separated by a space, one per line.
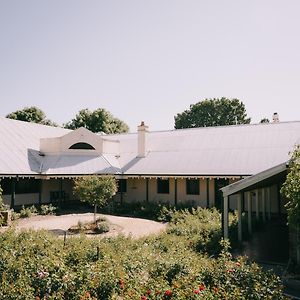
pixel 38 162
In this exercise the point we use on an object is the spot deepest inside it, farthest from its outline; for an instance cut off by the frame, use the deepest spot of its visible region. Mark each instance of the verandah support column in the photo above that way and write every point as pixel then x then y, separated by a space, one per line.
pixel 121 190
pixel 207 192
pixel 175 187
pixel 249 205
pixel 40 191
pixel 60 190
pixel 239 208
pixel 263 201
pixel 256 205
pixel 225 217
pixel 13 193
pixel 147 190
pixel 269 202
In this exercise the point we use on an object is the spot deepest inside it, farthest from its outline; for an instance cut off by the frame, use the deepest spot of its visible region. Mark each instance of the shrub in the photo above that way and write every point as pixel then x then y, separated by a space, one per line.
pixel 27 212
pixel 37 265
pixel 102 227
pixel 47 209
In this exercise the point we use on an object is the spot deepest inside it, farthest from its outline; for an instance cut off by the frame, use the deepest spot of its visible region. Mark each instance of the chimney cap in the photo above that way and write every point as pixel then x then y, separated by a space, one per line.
pixel 142 123
pixel 275 117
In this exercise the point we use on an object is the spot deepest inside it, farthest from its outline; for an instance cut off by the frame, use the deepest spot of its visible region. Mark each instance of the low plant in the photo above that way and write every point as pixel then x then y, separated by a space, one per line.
pixel 27 212
pixel 102 227
pixel 162 267
pixel 47 209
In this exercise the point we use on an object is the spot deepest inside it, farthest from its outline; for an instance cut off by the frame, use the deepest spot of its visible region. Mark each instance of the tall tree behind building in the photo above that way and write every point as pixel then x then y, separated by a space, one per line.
pixel 99 120
pixel 31 114
pixel 213 112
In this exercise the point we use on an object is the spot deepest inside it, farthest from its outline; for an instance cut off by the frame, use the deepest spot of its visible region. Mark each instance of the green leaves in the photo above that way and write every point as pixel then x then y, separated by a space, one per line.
pixel 31 114
pixel 95 190
pixel 99 120
pixel 213 112
pixel 291 189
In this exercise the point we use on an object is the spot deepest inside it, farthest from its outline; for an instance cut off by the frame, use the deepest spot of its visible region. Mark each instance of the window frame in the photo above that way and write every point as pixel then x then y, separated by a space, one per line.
pixel 192 186
pixel 163 186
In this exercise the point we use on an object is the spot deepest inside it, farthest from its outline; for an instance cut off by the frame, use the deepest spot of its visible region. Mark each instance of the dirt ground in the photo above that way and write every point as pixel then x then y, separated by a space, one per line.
pixel 118 225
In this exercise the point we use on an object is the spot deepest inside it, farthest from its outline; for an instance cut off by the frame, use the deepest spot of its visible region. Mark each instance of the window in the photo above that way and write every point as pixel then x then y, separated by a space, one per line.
pixel 122 185
pixel 27 186
pixel 163 186
pixel 22 186
pixel 192 187
pixel 82 146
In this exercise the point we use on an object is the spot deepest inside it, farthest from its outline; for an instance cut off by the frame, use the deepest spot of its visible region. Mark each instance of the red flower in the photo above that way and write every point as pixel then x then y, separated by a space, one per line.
pixel 196 291
pixel 121 284
pixel 215 289
pixel 168 293
pixel 201 287
pixel 144 298
pixel 148 292
pixel 230 270
pixel 238 264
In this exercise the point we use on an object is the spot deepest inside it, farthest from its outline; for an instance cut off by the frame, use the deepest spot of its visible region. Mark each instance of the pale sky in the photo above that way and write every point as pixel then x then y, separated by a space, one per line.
pixel 149 60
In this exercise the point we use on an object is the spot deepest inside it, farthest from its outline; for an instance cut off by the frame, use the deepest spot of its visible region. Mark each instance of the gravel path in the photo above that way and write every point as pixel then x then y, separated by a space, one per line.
pixel 119 225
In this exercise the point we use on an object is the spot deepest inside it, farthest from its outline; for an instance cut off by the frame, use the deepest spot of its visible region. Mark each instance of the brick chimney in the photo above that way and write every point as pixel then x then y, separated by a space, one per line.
pixel 142 139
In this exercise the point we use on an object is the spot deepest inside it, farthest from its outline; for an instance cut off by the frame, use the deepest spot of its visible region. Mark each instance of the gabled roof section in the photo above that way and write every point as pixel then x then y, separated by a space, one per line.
pixel 65 142
pixel 19 147
pixel 239 150
pixel 264 178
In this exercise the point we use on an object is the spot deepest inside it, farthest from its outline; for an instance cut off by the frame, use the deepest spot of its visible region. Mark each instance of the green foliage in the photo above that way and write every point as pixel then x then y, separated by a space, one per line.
pixel 47 209
pixel 2 205
pixel 27 212
pixel 213 112
pixel 99 120
pixel 95 190
pixel 264 120
pixel 102 227
pixel 291 189
pixel 37 265
pixel 31 114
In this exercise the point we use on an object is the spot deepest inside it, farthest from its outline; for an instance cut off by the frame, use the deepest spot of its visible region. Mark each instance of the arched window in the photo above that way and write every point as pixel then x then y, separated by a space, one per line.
pixel 82 146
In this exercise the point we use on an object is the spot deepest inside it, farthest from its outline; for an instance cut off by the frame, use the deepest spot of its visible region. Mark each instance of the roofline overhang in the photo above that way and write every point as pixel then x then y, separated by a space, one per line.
pixel 254 179
pixel 150 175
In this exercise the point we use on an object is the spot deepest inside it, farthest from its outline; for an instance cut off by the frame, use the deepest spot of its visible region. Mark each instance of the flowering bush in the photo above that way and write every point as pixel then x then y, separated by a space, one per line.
pixel 38 265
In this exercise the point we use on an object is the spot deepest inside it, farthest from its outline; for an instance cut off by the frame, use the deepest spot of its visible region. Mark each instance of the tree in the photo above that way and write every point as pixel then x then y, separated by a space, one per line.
pixel 264 120
pixel 95 190
pixel 213 112
pixel 31 114
pixel 291 190
pixel 99 120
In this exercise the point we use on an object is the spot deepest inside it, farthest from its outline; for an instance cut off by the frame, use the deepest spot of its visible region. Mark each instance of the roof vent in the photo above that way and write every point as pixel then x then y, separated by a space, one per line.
pixel 275 118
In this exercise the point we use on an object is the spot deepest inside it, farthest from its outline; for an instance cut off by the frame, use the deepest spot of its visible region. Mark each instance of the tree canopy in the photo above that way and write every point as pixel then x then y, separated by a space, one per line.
pixel 31 114
pixel 95 190
pixel 291 189
pixel 99 120
pixel 264 120
pixel 213 112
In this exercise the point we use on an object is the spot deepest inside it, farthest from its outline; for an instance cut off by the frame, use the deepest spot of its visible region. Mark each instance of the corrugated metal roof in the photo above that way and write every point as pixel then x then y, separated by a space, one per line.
pixel 19 145
pixel 211 151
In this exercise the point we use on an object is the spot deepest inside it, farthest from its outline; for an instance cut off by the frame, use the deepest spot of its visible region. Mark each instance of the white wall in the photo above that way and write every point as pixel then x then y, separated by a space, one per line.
pixel 136 192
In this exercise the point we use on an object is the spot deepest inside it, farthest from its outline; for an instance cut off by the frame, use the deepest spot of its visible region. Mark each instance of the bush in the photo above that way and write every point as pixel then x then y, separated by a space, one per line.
pixel 47 209
pixel 102 227
pixel 27 212
pixel 37 265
